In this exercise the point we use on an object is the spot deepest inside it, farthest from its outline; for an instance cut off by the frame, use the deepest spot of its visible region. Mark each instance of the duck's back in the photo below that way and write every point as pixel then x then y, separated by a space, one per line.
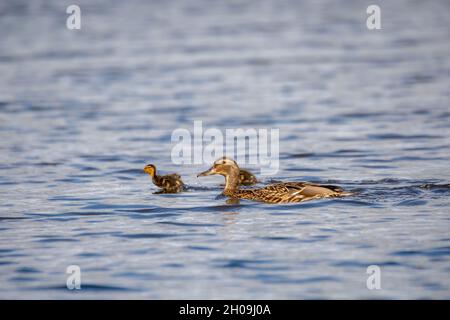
pixel 289 192
pixel 170 182
pixel 246 178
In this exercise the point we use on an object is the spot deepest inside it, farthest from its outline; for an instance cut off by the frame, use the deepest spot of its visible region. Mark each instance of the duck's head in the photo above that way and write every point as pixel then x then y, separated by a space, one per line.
pixel 150 169
pixel 223 166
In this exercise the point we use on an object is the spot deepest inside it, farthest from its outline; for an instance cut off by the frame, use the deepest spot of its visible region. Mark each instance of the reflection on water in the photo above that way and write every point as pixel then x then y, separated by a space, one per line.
pixel 82 112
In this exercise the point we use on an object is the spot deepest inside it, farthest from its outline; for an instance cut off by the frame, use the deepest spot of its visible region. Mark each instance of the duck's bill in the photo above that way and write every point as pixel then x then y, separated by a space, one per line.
pixel 208 172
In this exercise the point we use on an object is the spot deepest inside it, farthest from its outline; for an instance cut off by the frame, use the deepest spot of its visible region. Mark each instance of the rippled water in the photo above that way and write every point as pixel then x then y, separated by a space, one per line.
pixel 81 113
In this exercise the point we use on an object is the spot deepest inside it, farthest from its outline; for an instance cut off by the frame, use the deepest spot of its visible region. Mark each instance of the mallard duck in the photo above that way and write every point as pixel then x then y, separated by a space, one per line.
pixel 246 178
pixel 275 193
pixel 170 183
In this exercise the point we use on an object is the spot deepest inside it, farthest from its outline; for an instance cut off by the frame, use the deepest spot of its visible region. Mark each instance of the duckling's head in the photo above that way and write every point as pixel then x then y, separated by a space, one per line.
pixel 223 166
pixel 150 169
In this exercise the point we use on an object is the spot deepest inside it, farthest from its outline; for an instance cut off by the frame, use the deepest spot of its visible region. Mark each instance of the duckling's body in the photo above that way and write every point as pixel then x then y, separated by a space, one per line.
pixel 169 183
pixel 246 178
pixel 275 193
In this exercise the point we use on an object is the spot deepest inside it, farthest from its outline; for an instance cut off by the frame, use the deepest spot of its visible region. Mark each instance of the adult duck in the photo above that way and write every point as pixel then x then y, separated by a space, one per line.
pixel 285 192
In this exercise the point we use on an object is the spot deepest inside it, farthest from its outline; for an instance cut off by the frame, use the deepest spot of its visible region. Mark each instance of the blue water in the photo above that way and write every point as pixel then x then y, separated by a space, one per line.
pixel 82 112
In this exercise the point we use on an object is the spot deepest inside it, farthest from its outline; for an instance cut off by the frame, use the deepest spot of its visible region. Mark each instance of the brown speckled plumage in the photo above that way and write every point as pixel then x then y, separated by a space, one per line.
pixel 170 183
pixel 286 192
pixel 275 193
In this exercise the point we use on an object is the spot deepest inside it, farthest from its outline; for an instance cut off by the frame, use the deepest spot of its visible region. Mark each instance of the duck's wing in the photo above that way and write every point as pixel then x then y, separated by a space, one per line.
pixel 288 192
pixel 274 193
pixel 332 188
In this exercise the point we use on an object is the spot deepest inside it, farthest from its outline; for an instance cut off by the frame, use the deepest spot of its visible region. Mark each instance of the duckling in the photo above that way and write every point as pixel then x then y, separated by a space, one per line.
pixel 170 183
pixel 275 193
pixel 246 178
